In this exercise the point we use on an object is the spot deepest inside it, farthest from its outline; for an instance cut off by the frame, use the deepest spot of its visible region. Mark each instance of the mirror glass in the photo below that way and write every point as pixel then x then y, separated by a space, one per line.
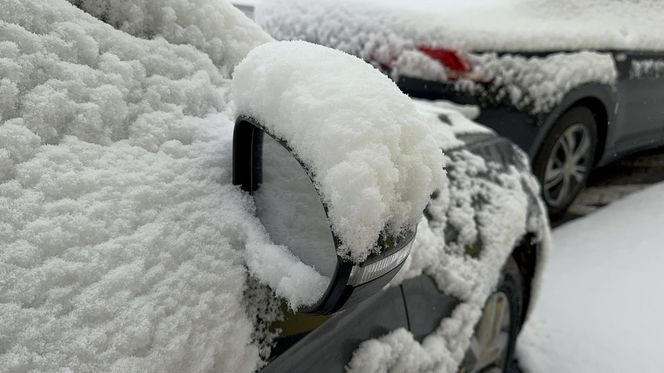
pixel 290 208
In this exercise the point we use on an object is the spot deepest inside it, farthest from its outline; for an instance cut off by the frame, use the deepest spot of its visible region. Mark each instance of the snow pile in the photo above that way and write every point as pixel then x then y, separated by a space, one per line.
pixel 123 244
pixel 380 27
pixel 536 84
pixel 601 302
pixel 214 27
pixel 484 204
pixel 371 154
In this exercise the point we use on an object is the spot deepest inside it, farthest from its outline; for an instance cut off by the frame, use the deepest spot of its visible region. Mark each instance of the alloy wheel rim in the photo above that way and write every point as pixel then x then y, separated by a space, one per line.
pixel 490 342
pixel 567 166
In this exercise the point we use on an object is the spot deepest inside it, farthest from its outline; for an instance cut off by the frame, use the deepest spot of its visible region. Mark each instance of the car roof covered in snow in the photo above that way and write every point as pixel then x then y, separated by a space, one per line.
pixel 493 25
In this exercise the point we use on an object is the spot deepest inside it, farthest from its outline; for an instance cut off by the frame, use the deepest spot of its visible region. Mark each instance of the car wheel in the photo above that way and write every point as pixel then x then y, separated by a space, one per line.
pixel 565 159
pixel 492 345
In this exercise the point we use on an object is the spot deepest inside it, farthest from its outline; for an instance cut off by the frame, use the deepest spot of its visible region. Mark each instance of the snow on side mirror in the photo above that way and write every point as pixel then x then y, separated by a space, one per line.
pixel 290 207
pixel 365 161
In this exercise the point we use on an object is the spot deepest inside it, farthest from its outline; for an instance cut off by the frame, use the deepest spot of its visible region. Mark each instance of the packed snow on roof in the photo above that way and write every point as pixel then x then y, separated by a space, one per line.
pixel 536 84
pixel 484 25
pixel 387 34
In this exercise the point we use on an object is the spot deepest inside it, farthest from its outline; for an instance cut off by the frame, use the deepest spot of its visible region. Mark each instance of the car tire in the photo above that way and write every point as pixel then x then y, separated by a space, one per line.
pixel 566 158
pixel 495 351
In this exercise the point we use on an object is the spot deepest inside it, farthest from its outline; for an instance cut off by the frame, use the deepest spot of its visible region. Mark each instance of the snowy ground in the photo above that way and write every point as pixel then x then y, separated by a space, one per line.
pixel 600 307
pixel 616 181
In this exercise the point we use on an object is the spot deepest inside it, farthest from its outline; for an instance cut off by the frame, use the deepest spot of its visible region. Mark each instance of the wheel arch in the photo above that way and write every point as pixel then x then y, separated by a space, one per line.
pixel 526 255
pixel 599 99
pixel 601 116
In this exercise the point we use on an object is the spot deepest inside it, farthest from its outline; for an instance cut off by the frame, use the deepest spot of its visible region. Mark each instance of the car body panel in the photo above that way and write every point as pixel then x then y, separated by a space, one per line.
pixel 634 120
pixel 417 303
pixel 329 347
pixel 426 305
pixel 640 116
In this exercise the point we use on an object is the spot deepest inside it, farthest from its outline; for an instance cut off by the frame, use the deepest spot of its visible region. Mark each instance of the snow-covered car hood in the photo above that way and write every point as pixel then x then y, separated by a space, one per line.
pixel 361 27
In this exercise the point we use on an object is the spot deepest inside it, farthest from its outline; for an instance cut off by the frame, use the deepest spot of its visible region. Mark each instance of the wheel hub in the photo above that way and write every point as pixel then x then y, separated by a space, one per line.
pixel 490 342
pixel 568 165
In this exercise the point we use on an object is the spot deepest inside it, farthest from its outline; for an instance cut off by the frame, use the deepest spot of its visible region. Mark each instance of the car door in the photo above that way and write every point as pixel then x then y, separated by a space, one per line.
pixel 330 347
pixel 640 91
pixel 426 305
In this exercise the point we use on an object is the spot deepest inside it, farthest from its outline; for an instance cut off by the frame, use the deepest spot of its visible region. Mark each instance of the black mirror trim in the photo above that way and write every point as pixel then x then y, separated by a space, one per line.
pixel 247 145
pixel 246 149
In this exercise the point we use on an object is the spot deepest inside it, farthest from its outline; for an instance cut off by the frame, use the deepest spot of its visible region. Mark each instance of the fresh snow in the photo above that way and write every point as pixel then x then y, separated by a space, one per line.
pixel 214 27
pixel 536 84
pixel 121 237
pixel 371 154
pixel 456 222
pixel 123 245
pixel 480 25
pixel 386 33
pixel 601 302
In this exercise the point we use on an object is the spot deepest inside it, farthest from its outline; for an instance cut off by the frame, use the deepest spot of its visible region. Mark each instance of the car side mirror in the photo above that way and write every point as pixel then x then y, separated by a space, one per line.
pixel 292 209
pixel 340 165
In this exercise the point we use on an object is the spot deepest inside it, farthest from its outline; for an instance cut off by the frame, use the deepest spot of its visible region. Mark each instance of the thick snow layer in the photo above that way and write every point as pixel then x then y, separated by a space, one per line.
pixel 483 204
pixel 123 245
pixel 215 27
pixel 530 83
pixel 375 26
pixel 386 34
pixel 536 84
pixel 601 303
pixel 371 154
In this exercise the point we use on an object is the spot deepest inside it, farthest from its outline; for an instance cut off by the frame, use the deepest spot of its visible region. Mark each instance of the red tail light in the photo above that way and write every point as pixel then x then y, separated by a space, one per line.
pixel 451 59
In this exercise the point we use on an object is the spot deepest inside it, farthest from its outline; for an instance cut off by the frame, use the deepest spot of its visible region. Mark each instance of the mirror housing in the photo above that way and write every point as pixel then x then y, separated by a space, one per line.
pixel 351 282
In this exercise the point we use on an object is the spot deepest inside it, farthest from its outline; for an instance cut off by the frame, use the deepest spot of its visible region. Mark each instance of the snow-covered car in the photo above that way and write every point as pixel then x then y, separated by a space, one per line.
pixel 181 193
pixel 576 84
